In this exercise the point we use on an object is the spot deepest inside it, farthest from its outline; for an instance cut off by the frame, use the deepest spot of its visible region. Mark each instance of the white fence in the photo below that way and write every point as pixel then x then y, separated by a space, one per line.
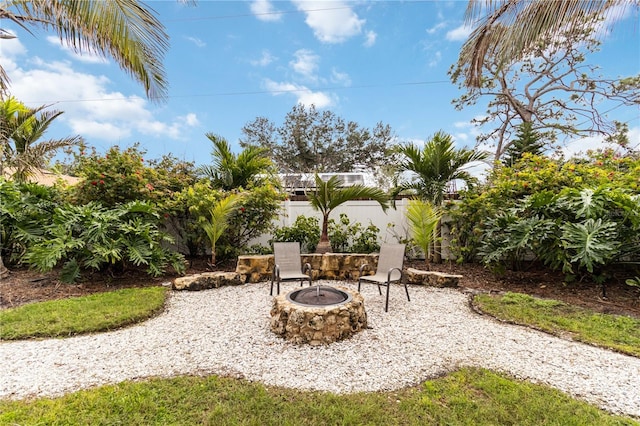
pixel 392 223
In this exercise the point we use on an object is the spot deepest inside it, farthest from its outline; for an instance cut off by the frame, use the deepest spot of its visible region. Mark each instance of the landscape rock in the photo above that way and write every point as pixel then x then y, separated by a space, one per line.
pixel 206 281
pixel 431 278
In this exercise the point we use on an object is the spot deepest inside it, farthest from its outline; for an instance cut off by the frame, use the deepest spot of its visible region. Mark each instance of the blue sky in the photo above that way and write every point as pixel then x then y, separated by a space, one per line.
pixel 232 61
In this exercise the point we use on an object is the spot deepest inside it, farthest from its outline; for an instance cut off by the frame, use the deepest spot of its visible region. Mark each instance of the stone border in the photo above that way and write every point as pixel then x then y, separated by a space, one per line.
pixel 432 278
pixel 327 266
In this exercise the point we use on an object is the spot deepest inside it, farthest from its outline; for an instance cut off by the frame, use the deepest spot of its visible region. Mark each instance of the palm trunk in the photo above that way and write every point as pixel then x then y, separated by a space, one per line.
pixel 324 245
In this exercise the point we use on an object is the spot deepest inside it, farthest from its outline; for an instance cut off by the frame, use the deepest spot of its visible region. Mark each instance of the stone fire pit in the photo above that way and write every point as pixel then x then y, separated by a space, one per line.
pixel 301 317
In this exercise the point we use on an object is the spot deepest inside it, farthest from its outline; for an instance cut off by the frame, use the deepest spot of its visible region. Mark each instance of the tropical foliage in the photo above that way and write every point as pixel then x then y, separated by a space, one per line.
pixel 423 218
pixel 434 167
pixel 329 194
pixel 125 30
pixel 578 216
pixel 230 171
pixel 508 29
pixel 217 221
pixel 99 238
pixel 23 210
pixel 23 150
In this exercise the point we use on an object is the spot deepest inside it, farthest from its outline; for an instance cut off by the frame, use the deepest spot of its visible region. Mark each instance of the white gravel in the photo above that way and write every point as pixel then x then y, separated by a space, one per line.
pixel 226 331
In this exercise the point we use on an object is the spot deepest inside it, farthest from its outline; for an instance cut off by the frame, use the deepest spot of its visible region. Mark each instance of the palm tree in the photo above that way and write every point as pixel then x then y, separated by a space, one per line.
pixel 126 30
pixel 231 171
pixel 435 166
pixel 22 131
pixel 423 218
pixel 218 221
pixel 507 29
pixel 328 195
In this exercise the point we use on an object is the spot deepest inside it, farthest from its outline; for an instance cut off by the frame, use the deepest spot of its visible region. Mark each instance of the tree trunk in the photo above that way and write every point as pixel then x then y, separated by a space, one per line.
pixel 4 272
pixel 324 245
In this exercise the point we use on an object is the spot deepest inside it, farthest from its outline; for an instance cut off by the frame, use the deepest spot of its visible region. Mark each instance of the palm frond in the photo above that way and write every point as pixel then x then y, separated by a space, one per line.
pixel 509 28
pixel 126 30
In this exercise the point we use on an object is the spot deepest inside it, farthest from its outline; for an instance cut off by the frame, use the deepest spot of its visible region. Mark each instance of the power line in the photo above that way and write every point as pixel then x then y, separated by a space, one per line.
pixel 255 92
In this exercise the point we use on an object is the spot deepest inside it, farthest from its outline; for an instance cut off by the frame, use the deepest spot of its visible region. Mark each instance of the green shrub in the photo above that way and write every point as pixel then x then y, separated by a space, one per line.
pixel 305 230
pixel 346 237
pixel 23 210
pixel 99 238
pixel 584 233
pixel 540 177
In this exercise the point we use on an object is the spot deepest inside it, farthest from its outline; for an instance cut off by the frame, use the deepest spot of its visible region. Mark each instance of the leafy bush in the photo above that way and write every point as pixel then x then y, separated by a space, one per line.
pixel 582 232
pixel 353 238
pixel 99 238
pixel 530 176
pixel 255 214
pixel 305 230
pixel 23 210
pixel 121 176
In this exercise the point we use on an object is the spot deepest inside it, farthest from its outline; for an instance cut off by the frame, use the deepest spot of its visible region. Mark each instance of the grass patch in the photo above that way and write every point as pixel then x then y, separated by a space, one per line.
pixel 467 397
pixel 617 332
pixel 77 315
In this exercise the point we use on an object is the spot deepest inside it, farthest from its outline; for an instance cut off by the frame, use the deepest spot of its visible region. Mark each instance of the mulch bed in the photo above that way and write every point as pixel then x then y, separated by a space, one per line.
pixel 25 286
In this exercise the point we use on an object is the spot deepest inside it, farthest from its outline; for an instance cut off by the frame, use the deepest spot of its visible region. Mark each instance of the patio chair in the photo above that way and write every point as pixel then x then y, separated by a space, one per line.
pixel 287 265
pixel 389 270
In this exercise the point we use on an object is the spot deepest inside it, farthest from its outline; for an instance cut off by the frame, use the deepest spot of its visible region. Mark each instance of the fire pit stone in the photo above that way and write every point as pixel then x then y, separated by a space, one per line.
pixel 320 324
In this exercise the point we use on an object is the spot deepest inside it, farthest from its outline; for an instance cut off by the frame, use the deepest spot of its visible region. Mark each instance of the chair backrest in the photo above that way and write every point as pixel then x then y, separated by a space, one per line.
pixel 391 256
pixel 287 257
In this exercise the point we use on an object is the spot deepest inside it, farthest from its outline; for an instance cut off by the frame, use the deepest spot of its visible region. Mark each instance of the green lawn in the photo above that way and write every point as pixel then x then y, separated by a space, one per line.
pixel 617 332
pixel 465 397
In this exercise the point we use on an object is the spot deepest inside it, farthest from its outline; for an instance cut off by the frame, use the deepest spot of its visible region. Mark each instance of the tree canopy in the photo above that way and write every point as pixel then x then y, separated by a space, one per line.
pixel 553 88
pixel 311 141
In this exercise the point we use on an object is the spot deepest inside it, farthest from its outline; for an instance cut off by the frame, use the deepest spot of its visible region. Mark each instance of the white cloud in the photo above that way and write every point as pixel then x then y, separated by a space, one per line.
pixel 332 25
pixel 340 77
pixel 190 119
pixel 91 109
pixel 264 60
pixel 91 129
pixel 435 59
pixel 195 40
pixel 264 11
pixel 459 34
pixel 370 40
pixel 305 95
pixel 85 56
pixel 579 147
pixel 437 27
pixel 305 63
pixel 11 48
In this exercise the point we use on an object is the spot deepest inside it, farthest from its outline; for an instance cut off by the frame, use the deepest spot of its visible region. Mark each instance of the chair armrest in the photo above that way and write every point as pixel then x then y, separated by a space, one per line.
pixel 390 271
pixel 306 266
pixel 362 268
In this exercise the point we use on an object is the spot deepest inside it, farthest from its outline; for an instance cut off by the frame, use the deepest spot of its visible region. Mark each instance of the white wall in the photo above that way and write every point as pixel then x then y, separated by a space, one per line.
pixel 358 211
